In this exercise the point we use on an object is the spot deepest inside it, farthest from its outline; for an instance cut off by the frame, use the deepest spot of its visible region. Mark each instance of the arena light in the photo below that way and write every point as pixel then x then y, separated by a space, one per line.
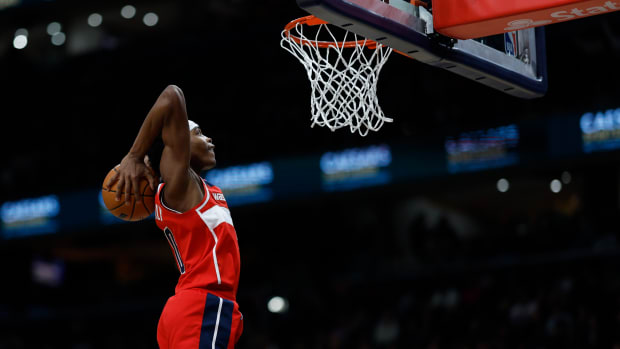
pixel 58 39
pixel 95 20
pixel 150 19
pixel 48 273
pixel 128 11
pixel 54 28
pixel 21 31
pixel 277 305
pixel 503 185
pixel 9 3
pixel 20 41
pixel 555 186
pixel 566 177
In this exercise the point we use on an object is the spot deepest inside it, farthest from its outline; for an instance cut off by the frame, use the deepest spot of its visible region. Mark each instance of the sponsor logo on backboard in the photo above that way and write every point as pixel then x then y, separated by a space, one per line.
pixel 564 15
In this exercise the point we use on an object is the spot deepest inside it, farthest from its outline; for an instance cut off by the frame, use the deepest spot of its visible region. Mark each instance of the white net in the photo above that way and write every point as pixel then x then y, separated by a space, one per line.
pixel 343 77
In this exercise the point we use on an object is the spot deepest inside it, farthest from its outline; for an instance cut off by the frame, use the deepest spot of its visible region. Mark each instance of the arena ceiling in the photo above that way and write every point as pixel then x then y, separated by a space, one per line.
pixel 70 112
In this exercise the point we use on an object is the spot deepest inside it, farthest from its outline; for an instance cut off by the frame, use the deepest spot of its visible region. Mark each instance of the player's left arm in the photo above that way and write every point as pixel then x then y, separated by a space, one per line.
pixel 132 167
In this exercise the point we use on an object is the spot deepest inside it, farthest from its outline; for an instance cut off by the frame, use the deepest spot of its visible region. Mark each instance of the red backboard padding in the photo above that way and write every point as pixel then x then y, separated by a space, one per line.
pixel 468 19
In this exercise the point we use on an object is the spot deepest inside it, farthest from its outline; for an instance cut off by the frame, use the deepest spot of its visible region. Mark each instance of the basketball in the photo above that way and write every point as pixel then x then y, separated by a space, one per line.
pixel 134 211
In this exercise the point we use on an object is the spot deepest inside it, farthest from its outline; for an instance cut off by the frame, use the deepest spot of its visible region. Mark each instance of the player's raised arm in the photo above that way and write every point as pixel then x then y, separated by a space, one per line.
pixel 168 119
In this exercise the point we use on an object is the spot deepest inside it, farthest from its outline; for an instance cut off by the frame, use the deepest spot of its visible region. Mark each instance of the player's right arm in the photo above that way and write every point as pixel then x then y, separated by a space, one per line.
pixel 168 119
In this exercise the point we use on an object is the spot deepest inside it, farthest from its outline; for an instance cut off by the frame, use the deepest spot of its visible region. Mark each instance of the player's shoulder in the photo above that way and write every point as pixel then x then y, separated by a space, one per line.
pixel 216 193
pixel 212 187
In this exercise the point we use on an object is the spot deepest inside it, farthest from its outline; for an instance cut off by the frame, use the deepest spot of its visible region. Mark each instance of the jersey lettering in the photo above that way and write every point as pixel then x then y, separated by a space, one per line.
pixel 219 196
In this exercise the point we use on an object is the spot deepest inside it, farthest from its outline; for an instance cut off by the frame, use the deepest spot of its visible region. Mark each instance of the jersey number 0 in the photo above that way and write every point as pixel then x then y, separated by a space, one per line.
pixel 175 248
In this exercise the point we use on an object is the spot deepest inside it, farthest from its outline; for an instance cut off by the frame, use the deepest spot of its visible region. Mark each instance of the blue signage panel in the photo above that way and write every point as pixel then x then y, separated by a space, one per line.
pixel 483 149
pixel 348 169
pixel 244 184
pixel 600 130
pixel 33 216
pixel 356 168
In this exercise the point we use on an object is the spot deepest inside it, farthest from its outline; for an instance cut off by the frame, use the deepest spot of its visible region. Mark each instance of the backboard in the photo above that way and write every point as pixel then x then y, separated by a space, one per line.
pixel 513 62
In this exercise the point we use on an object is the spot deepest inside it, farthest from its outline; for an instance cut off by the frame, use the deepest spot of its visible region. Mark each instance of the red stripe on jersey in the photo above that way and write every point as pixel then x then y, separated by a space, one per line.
pixel 204 243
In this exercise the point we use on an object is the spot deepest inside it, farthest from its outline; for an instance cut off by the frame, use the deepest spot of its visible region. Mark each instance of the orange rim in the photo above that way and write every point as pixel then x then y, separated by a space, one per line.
pixel 313 20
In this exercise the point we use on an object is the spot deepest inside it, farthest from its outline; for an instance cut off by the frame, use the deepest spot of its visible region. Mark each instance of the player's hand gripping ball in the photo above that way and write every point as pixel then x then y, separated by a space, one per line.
pixel 134 211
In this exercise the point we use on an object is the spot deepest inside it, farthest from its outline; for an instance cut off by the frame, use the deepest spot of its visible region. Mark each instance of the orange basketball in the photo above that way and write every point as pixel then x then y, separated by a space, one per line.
pixel 134 211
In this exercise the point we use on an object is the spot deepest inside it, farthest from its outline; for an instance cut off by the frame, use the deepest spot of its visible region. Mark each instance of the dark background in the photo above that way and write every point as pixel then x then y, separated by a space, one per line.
pixel 396 266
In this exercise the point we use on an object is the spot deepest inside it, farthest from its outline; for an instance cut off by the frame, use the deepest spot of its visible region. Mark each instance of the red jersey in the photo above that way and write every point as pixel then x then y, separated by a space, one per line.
pixel 204 243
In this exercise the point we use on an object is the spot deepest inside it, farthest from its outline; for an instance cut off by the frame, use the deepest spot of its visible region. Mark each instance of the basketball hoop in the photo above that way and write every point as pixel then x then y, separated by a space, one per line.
pixel 343 75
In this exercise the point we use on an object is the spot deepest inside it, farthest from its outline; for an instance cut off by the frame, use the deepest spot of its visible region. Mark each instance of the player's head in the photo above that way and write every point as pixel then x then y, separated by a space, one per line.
pixel 202 157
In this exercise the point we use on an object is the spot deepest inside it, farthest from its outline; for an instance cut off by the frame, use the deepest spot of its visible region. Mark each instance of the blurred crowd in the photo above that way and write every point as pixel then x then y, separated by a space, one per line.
pixel 564 305
pixel 559 305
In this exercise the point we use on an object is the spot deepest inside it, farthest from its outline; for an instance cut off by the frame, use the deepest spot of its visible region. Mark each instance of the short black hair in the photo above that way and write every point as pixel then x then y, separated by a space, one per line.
pixel 154 153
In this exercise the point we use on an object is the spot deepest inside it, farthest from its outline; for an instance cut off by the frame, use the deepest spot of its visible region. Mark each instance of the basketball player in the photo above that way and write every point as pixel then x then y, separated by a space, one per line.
pixel 196 221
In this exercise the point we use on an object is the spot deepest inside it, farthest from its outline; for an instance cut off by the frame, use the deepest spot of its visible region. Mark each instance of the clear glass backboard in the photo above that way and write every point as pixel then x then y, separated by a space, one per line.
pixel 513 62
